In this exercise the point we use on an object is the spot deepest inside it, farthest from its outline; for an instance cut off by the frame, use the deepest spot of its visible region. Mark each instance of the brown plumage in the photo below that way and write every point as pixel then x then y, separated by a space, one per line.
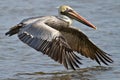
pixel 55 37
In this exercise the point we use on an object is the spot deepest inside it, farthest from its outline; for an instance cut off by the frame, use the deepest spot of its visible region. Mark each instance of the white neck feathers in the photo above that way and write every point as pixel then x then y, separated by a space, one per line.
pixel 65 18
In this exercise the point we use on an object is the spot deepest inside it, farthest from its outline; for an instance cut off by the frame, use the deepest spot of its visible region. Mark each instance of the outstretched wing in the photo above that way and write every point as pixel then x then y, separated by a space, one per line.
pixel 50 42
pixel 79 42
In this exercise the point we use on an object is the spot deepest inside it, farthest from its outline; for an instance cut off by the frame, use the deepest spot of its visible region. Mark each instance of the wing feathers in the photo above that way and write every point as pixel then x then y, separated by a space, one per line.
pixel 79 42
pixel 52 44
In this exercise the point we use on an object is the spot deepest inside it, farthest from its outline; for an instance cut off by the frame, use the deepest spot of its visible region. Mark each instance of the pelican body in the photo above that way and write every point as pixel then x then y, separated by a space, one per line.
pixel 56 37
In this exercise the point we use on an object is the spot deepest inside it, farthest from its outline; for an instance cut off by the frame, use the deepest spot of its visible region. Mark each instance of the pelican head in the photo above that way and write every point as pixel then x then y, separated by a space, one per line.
pixel 68 14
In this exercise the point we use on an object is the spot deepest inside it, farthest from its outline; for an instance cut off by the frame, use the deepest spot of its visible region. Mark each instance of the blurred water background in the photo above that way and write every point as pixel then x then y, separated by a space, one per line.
pixel 20 62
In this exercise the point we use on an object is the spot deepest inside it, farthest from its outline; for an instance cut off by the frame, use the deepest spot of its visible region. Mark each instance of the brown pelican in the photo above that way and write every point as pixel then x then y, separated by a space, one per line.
pixel 57 38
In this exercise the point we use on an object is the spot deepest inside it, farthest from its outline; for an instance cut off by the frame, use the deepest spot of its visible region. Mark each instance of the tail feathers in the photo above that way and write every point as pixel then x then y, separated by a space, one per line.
pixel 13 30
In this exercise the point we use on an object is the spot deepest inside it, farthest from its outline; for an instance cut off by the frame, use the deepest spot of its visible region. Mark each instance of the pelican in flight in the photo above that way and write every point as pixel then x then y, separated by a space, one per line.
pixel 56 37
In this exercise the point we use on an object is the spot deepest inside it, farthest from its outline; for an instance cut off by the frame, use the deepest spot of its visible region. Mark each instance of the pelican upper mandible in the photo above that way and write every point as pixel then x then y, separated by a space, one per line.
pixel 56 37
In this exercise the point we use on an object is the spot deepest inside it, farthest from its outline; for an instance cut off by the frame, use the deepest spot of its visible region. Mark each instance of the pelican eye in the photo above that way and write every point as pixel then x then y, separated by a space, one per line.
pixel 66 11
